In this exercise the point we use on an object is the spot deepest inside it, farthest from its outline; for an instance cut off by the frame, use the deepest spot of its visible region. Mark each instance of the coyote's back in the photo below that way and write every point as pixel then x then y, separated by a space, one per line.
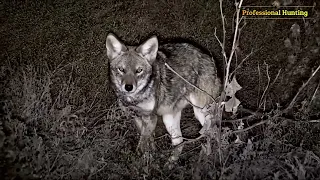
pixel 190 68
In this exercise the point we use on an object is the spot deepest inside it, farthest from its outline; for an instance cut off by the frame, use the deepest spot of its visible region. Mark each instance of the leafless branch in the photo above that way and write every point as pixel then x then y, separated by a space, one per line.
pixel 234 44
pixel 224 31
pixel 250 127
pixel 218 111
pixel 265 90
pixel 239 65
pixel 275 79
pixel 259 74
pixel 300 89
pixel 314 94
pixel 221 45
pixel 314 121
pixel 240 119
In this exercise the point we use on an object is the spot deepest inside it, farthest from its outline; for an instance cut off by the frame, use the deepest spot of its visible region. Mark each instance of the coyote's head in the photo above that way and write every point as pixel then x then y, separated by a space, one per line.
pixel 131 67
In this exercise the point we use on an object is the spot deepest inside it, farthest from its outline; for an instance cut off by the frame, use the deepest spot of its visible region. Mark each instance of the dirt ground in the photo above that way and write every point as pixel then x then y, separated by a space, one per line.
pixel 60 119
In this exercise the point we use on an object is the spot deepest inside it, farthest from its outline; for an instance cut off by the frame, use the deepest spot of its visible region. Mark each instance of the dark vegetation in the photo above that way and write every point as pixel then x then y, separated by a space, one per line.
pixel 60 120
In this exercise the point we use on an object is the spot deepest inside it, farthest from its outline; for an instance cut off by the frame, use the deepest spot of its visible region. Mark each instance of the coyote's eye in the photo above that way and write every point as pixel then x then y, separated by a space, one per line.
pixel 139 70
pixel 121 70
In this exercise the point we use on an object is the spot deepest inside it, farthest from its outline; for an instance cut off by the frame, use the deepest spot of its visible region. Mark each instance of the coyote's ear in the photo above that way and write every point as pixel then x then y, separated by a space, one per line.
pixel 149 49
pixel 114 46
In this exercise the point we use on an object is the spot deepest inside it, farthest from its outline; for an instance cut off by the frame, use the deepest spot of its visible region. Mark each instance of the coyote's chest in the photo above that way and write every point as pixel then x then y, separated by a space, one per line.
pixel 142 107
pixel 147 105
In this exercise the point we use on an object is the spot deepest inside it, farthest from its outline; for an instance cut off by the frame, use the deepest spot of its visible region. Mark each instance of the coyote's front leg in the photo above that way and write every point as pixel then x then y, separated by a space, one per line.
pixel 172 123
pixel 146 126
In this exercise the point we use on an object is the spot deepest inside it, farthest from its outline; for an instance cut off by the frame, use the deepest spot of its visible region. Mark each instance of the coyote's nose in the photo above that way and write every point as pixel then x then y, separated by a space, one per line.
pixel 128 87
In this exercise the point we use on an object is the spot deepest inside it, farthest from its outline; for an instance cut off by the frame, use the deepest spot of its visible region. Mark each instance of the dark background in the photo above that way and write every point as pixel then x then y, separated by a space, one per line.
pixel 59 115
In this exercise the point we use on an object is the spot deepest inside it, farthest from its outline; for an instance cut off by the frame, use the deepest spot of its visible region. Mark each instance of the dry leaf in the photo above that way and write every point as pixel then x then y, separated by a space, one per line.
pixel 276 4
pixel 287 43
pixel 318 40
pixel 238 140
pixel 287 2
pixel 292 59
pixel 232 87
pixel 232 105
pixel 295 28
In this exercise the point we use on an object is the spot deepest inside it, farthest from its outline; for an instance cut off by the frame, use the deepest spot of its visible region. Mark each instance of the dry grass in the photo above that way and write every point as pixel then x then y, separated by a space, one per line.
pixel 59 118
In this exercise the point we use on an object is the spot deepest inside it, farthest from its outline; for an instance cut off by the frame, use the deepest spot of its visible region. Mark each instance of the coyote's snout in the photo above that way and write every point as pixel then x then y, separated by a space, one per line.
pixel 129 83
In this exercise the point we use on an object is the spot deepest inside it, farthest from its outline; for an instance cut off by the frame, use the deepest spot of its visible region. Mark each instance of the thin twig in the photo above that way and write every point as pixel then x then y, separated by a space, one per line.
pixel 269 86
pixel 300 89
pixel 265 90
pixel 161 136
pixel 240 119
pixel 224 31
pixel 182 154
pixel 259 74
pixel 215 35
pixel 252 52
pixel 54 163
pixel 221 45
pixel 314 94
pixel 94 99
pixel 301 121
pixel 250 127
pixel 58 68
pixel 233 44
pixel 242 109
pixel 314 121
pixel 105 164
pixel 188 141
pixel 275 79
pixel 193 140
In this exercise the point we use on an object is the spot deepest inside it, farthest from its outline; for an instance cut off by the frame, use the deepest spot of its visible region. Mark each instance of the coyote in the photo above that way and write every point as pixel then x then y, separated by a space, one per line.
pixel 160 80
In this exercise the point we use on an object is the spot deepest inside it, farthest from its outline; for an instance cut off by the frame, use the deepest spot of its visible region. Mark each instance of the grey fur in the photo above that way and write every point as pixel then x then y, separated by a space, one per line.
pixel 157 91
